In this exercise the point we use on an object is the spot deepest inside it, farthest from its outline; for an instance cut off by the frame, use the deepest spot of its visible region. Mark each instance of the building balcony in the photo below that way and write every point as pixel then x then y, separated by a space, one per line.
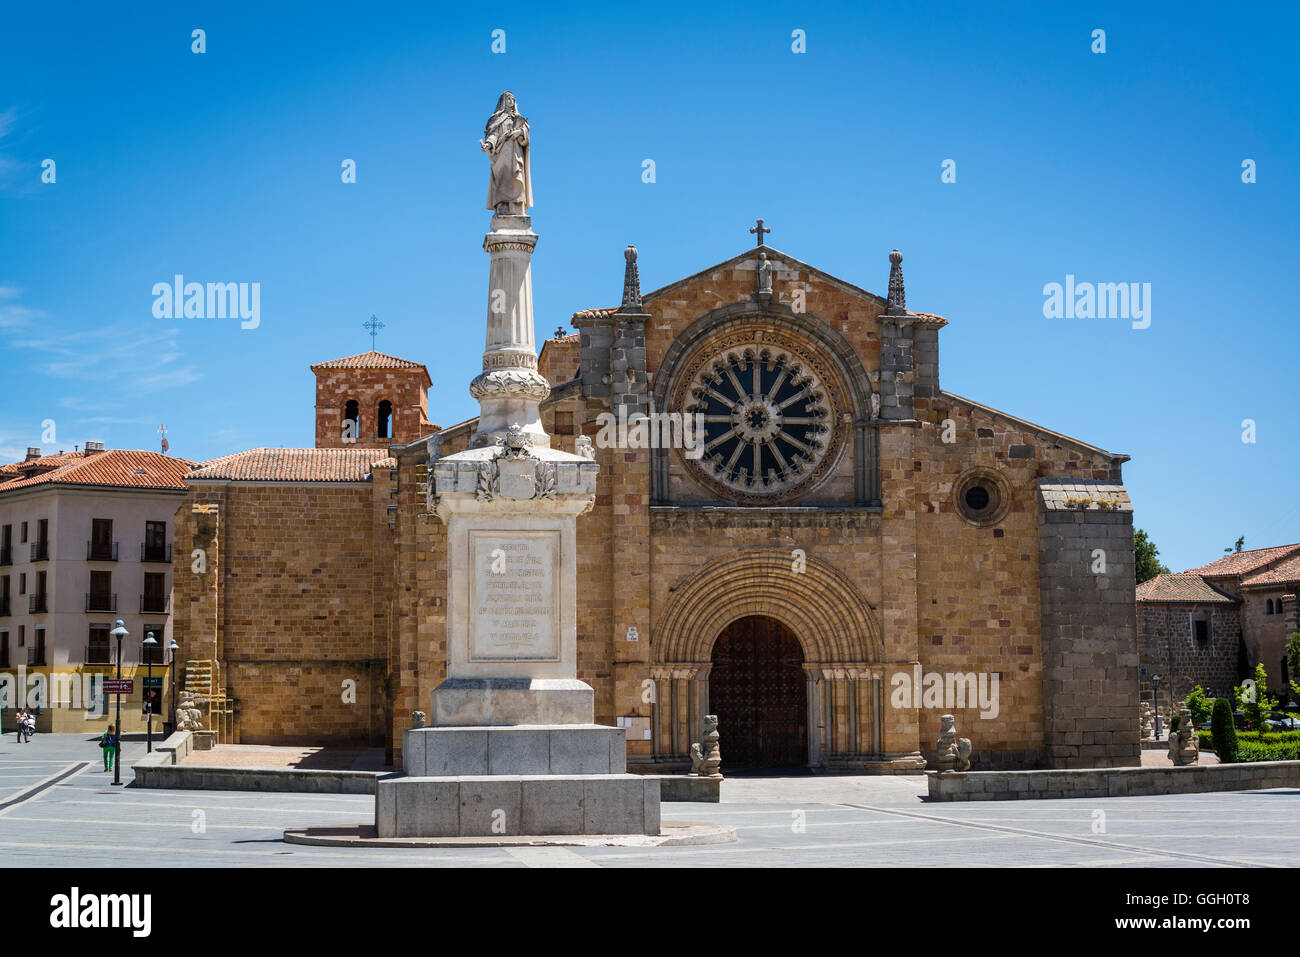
pixel 155 604
pixel 36 657
pixel 40 551
pixel 99 655
pixel 156 553
pixel 100 601
pixel 6 554
pixel 4 608
pixel 101 551
pixel 37 604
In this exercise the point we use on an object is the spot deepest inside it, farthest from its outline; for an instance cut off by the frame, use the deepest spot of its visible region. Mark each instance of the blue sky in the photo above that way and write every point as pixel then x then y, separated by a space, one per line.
pixel 225 166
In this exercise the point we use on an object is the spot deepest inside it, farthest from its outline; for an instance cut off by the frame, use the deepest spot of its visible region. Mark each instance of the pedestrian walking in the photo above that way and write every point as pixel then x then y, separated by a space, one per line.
pixel 108 743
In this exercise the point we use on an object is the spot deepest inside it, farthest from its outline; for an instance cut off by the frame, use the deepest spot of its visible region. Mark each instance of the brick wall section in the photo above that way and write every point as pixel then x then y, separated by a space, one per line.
pixel 1266 635
pixel 404 388
pixel 1090 655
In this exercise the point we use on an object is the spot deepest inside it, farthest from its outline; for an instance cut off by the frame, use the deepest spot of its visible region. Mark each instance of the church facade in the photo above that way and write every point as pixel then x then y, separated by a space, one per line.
pixel 817 543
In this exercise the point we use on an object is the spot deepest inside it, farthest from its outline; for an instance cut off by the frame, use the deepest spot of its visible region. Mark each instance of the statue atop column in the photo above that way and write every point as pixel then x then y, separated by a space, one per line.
pixel 505 140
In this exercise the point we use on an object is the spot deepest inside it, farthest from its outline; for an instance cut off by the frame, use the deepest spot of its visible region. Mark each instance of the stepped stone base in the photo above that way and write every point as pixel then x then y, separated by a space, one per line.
pixel 476 702
pixel 519 749
pixel 494 805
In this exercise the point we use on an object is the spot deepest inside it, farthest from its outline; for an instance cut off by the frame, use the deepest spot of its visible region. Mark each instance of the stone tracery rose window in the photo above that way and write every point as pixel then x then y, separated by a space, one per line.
pixel 770 417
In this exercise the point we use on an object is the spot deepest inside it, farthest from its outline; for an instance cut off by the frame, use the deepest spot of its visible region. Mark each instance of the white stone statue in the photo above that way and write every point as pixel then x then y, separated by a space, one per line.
pixel 505 140
pixel 764 275
pixel 1184 744
pixel 954 752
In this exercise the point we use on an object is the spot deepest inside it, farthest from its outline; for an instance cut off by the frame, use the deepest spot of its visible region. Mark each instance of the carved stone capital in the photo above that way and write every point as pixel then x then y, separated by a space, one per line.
pixel 510 383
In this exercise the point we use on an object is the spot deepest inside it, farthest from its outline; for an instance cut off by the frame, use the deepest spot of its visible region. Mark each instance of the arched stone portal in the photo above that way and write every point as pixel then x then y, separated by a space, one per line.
pixel 757 690
pixel 839 638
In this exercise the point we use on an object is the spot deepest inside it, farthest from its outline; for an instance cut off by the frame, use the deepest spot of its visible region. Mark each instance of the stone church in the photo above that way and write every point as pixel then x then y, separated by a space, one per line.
pixel 795 528
pixel 850 530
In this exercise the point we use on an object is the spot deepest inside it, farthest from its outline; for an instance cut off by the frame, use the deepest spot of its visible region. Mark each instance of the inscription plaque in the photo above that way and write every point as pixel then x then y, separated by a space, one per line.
pixel 514 596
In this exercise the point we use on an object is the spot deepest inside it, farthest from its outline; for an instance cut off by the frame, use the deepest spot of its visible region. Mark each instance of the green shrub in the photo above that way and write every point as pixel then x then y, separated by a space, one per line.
pixel 1258 751
pixel 1222 731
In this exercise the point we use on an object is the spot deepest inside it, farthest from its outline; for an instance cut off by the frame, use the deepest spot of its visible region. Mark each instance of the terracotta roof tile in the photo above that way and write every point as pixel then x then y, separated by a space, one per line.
pixel 586 314
pixel 117 468
pixel 1281 574
pixel 369 360
pixel 1186 587
pixel 1243 563
pixel 293 465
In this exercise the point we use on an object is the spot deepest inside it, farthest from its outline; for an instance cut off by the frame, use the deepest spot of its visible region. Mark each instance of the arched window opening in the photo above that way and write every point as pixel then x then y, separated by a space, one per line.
pixel 351 421
pixel 385 420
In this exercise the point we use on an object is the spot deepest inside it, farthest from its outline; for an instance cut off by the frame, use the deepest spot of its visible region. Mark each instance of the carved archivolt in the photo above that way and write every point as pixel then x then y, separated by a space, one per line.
pixel 826 612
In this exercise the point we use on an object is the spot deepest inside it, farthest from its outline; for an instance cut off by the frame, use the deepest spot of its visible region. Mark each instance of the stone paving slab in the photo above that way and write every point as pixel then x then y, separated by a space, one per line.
pixel 810 821
pixel 673 834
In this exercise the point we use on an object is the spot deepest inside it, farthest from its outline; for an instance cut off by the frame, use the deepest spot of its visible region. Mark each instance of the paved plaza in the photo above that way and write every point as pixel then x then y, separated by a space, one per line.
pixel 78 819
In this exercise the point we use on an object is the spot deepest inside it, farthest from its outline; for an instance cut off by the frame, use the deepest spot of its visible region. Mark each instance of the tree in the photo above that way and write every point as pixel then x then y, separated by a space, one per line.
pixel 1236 546
pixel 1144 553
pixel 1255 701
pixel 1199 705
pixel 1223 732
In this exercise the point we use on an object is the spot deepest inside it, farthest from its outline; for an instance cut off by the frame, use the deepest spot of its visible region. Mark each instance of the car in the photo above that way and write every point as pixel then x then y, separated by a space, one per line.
pixel 1280 721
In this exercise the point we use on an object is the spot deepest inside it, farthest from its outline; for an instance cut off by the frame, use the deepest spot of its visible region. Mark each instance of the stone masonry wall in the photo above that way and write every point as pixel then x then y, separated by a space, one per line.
pixel 294 608
pixel 1090 655
pixel 1169 649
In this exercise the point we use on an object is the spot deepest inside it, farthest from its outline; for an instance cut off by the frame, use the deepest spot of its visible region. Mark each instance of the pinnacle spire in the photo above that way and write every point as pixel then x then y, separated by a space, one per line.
pixel 631 283
pixel 897 297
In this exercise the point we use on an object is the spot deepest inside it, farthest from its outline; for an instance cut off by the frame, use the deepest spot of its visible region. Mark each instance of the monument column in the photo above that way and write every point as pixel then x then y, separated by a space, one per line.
pixel 511 747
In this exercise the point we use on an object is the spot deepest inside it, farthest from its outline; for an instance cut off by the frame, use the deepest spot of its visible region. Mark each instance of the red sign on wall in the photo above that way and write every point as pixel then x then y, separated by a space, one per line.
pixel 119 686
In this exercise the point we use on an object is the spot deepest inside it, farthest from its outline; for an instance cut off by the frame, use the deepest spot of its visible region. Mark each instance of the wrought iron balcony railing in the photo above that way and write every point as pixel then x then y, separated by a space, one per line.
pixel 154 604
pixel 101 551
pixel 100 601
pixel 156 553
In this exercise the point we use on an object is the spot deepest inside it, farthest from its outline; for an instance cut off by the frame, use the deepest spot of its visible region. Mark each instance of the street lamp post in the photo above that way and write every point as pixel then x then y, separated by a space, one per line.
pixel 150 643
pixel 172 648
pixel 1155 698
pixel 119 632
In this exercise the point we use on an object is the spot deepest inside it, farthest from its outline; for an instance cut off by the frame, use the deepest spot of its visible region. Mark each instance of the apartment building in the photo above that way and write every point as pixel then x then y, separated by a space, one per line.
pixel 86 539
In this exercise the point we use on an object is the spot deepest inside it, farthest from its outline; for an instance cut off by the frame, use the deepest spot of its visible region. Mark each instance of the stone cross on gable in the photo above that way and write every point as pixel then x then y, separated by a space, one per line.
pixel 760 229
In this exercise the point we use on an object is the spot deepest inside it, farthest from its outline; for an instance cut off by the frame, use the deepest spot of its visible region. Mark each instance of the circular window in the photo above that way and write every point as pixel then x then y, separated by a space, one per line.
pixel 982 496
pixel 770 423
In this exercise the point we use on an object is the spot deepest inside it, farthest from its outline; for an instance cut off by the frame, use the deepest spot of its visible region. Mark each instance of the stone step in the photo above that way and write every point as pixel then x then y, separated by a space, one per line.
pixel 518 749
pixel 484 806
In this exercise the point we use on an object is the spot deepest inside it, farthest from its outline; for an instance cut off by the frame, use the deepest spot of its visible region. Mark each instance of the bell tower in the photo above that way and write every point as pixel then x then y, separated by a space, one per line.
pixel 371 400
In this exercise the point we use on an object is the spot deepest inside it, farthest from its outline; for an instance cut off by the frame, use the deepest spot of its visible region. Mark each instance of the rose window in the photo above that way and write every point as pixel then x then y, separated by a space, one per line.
pixel 767 420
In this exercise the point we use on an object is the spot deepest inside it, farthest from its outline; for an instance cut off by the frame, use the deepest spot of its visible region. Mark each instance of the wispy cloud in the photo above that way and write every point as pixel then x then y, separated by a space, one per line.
pixel 8 165
pixel 13 314
pixel 96 355
pixel 115 420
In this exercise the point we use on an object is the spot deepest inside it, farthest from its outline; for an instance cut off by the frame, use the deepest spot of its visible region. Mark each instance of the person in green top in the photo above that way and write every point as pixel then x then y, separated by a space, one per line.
pixel 108 742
